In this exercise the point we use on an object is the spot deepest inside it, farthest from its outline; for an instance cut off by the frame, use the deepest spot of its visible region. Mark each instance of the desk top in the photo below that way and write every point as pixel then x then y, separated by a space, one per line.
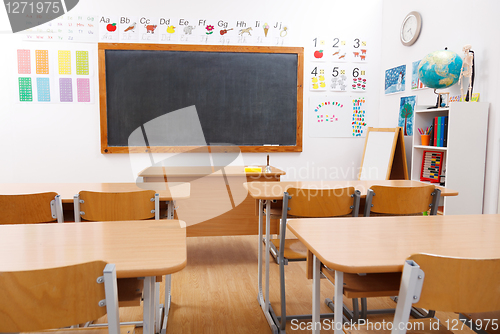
pixel 137 248
pixel 275 190
pixel 174 190
pixel 197 171
pixel 381 244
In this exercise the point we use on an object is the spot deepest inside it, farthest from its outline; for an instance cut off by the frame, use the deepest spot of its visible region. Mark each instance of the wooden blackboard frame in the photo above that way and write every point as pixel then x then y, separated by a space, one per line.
pixel 105 148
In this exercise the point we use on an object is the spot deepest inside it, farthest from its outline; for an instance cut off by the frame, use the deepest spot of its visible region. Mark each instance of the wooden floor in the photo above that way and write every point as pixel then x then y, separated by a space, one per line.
pixel 217 291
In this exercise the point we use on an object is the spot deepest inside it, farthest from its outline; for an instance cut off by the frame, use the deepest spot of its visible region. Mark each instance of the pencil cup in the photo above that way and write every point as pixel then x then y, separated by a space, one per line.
pixel 425 139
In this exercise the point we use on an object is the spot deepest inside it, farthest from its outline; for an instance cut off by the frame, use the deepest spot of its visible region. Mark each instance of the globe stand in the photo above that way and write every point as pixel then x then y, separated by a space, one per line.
pixel 438 101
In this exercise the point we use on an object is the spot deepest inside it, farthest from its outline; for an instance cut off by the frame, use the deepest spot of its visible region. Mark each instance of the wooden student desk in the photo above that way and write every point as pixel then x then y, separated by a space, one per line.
pixel 147 248
pixel 269 191
pixel 219 203
pixel 382 244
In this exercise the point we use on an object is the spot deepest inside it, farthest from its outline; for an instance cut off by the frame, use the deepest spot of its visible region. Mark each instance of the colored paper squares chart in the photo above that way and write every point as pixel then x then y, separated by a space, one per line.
pixel 330 116
pixel 338 79
pixel 25 90
pixel 23 62
pixel 83 89
pixel 65 90
pixel 358 117
pixel 64 61
pixel 82 62
pixel 359 79
pixel 42 61
pixel 43 89
pixel 318 78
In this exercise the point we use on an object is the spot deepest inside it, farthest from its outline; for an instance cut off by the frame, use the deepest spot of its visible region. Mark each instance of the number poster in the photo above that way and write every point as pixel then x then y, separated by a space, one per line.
pixel 337 116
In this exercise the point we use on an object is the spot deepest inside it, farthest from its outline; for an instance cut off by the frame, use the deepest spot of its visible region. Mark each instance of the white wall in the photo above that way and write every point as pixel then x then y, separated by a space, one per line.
pixel 452 24
pixel 60 143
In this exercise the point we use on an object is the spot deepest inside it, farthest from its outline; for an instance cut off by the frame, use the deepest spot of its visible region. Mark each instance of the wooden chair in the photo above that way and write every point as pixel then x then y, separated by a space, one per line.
pixel 384 200
pixel 59 297
pixel 31 208
pixel 445 284
pixel 116 206
pixel 317 203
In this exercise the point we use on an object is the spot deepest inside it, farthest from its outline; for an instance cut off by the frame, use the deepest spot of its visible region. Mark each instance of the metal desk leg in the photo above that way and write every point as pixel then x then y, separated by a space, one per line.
pixel 339 302
pixel 149 305
pixel 264 302
pixel 316 296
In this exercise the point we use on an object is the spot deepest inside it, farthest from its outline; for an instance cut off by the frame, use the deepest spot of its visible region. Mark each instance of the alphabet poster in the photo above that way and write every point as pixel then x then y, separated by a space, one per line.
pixel 337 116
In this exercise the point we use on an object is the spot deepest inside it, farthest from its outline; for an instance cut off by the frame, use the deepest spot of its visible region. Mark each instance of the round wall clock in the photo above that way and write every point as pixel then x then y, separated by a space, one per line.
pixel 410 29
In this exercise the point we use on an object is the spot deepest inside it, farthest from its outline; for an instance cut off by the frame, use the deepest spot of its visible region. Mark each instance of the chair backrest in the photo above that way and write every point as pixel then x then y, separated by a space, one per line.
pixel 31 208
pixel 321 202
pixel 459 285
pixel 58 297
pixel 113 206
pixel 402 200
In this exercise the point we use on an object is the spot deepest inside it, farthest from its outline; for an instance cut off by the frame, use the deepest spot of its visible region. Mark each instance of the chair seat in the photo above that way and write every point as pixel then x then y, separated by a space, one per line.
pixel 294 249
pixel 124 329
pixel 369 285
pixel 418 326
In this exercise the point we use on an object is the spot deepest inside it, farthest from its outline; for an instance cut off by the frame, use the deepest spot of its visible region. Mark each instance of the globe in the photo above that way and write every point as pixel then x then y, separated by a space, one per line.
pixel 440 69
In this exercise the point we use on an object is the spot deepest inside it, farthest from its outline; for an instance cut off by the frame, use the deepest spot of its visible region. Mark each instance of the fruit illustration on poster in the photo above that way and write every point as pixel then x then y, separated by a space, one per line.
pixel 111 27
pixel 318 54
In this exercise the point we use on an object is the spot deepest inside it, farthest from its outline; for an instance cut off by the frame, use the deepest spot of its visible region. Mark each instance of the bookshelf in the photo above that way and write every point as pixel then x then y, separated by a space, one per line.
pixel 464 157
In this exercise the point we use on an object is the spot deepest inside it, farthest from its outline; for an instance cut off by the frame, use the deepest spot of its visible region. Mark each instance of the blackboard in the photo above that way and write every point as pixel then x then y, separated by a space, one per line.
pixel 249 97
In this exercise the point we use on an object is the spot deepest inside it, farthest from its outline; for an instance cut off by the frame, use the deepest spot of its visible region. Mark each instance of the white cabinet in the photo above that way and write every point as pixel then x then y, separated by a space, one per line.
pixel 464 157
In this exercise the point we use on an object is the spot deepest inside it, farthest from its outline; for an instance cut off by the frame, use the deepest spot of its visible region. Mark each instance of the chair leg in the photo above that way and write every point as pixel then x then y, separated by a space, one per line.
pixel 364 309
pixel 355 310
pixel 283 296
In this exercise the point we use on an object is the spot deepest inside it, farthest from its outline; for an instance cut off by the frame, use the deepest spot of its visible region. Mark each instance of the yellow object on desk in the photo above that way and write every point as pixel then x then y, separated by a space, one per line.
pixel 253 169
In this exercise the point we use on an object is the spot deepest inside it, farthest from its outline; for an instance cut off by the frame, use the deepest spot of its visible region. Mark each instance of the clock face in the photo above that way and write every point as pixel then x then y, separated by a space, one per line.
pixel 409 28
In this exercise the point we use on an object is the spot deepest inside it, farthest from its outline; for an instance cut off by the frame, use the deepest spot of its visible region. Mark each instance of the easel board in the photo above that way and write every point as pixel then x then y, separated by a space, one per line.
pixel 384 156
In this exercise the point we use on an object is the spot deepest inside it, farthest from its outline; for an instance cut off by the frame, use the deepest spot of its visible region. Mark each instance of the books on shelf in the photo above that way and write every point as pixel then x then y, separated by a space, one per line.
pixel 439 132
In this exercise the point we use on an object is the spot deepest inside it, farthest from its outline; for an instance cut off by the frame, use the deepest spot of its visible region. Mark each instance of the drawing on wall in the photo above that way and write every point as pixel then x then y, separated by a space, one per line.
pixel 358 117
pixel 415 80
pixel 406 114
pixel 395 79
pixel 331 116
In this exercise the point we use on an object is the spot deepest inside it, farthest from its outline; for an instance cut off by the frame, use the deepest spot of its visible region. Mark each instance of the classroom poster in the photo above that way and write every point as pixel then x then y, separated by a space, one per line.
pixel 395 79
pixel 359 50
pixel 337 116
pixel 359 81
pixel 66 28
pixel 339 49
pixel 338 78
pixel 407 114
pixel 317 77
pixel 415 80
pixel 49 75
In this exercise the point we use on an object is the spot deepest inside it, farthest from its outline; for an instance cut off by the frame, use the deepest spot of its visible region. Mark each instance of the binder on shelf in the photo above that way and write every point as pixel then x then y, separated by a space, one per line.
pixel 445 132
pixel 431 135
pixel 435 131
pixel 440 131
